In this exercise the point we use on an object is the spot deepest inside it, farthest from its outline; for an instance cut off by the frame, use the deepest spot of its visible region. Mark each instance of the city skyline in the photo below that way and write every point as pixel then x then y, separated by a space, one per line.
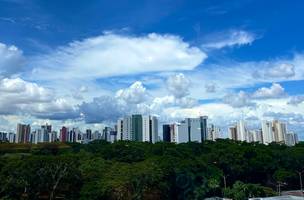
pixel 146 128
pixel 241 60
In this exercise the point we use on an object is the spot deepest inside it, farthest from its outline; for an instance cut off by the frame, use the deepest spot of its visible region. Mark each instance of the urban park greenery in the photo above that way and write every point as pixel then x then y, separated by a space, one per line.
pixel 136 170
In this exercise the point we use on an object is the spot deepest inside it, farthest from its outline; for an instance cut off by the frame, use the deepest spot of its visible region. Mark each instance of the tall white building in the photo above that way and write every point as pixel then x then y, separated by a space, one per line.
pixel 242 134
pixel 192 130
pixel 232 132
pixel 150 129
pixel 127 128
pixel 291 139
pixel 267 132
pixel 11 137
pixel 255 136
pixel 138 127
pixel 119 129
pixel 279 131
pixel 213 132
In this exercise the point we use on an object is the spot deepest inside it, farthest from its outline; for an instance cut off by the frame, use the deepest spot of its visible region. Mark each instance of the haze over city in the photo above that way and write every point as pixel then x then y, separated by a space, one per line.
pixel 97 61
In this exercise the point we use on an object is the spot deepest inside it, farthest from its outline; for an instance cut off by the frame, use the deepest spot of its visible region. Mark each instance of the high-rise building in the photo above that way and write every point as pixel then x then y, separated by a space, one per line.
pixel 127 128
pixel 12 137
pixel 113 136
pixel 267 132
pixel 279 131
pixel 106 134
pixel 72 135
pixel 23 133
pixel 96 135
pixel 166 133
pixel 47 127
pixel 3 136
pixel 242 134
pixel 88 134
pixel 213 132
pixel 233 133
pixel 291 139
pixel 53 136
pixel 257 136
pixel 149 129
pixel 63 134
pixel 137 127
pixel 193 130
pixel 179 133
pixel 119 129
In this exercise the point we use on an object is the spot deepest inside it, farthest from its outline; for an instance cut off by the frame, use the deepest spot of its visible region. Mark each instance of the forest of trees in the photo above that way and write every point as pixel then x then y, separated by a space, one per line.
pixel 136 170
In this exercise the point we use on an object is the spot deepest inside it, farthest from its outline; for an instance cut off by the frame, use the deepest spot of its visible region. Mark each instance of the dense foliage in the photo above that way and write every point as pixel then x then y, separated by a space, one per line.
pixel 134 170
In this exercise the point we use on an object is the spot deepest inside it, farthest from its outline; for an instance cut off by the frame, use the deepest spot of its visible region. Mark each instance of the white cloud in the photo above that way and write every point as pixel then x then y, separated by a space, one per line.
pixel 229 39
pixel 104 108
pixel 18 91
pixel 11 60
pixel 26 98
pixel 210 88
pixel 238 100
pixel 281 70
pixel 296 100
pixel 135 94
pixel 112 55
pixel 83 89
pixel 243 99
pixel 275 91
pixel 178 85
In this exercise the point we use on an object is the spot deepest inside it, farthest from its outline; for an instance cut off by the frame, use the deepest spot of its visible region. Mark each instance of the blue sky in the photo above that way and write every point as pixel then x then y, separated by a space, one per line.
pixel 73 60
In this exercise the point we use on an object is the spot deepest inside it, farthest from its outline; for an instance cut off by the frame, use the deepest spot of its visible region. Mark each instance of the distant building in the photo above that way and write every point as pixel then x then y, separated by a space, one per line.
pixel 188 130
pixel 63 134
pixel 127 128
pixel 167 133
pixel 279 131
pixel 3 136
pixel 150 129
pixel 257 136
pixel 242 133
pixel 138 128
pixel 233 133
pixel 106 135
pixel 88 134
pixel 213 133
pixel 23 133
pixel 267 132
pixel 96 135
pixel 12 137
pixel 119 128
pixel 291 139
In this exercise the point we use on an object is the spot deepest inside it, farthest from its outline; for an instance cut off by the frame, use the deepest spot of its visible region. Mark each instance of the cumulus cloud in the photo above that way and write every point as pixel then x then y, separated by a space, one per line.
pixel 237 100
pixel 210 88
pixel 178 85
pixel 22 97
pixel 83 89
pixel 229 39
pixel 112 55
pixel 296 100
pixel 280 70
pixel 135 94
pixel 289 117
pixel 18 91
pixel 11 60
pixel 275 91
pixel 104 108
pixel 135 99
pixel 243 99
pixel 58 109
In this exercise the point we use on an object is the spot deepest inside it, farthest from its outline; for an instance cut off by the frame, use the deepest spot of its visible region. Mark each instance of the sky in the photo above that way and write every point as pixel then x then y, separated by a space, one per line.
pixel 87 63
